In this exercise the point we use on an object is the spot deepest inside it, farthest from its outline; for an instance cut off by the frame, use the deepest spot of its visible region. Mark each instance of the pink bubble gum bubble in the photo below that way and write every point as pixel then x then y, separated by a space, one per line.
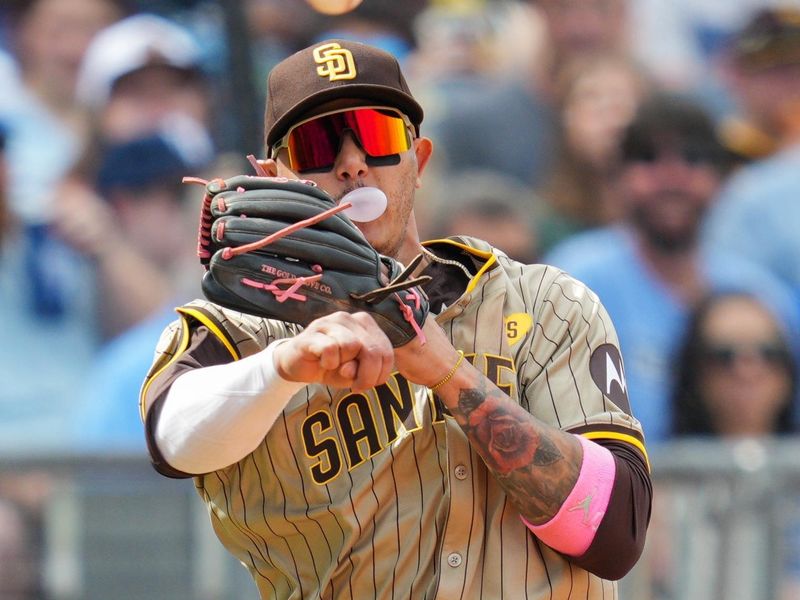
pixel 368 203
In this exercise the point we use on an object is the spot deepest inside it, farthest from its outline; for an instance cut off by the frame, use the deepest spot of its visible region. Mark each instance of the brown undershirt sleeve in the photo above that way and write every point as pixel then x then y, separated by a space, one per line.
pixel 620 538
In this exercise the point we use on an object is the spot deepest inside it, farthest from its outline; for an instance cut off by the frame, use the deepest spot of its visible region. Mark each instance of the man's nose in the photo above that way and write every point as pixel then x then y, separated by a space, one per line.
pixel 351 162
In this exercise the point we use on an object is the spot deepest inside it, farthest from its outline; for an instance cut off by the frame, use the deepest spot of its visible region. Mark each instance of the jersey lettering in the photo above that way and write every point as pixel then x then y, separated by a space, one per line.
pixel 325 449
pixel 358 418
pixel 357 424
pixel 397 410
pixel 494 364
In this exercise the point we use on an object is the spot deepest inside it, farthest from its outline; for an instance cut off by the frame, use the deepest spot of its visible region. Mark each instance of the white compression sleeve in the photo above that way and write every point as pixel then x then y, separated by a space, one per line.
pixel 214 416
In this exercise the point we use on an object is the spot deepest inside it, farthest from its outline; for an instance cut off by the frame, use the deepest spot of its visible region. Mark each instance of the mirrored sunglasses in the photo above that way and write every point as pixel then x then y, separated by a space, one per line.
pixel 314 144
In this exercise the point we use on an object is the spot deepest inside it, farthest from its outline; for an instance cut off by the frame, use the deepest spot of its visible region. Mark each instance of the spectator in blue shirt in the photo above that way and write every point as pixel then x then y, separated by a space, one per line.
pixel 649 270
pixel 758 213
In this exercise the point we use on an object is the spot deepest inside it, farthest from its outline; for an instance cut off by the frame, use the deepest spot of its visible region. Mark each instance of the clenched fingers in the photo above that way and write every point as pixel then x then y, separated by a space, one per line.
pixel 341 350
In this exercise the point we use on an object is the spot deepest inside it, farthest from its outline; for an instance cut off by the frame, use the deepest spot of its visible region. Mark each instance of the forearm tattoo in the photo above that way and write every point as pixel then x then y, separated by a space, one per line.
pixel 533 463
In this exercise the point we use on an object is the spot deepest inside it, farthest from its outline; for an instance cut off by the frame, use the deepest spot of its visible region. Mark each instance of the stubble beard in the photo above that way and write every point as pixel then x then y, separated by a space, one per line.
pixel 398 217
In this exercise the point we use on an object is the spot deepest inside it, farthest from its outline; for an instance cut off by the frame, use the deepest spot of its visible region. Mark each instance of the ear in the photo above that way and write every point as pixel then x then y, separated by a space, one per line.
pixel 423 148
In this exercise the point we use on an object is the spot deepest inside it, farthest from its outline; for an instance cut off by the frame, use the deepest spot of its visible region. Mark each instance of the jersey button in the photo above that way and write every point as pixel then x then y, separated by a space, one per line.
pixel 461 472
pixel 454 559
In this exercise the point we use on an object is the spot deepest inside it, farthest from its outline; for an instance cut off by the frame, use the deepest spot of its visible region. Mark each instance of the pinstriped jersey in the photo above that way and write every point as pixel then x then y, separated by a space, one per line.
pixel 378 494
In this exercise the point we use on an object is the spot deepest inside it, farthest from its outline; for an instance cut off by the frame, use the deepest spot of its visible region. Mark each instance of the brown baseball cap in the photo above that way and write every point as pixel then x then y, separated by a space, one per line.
pixel 333 70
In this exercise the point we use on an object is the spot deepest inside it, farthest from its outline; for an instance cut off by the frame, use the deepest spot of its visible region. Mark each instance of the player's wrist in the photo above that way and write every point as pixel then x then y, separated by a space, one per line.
pixel 274 383
pixel 273 364
pixel 445 379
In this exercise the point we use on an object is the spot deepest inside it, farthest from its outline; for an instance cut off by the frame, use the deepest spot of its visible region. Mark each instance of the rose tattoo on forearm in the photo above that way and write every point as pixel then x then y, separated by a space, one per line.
pixel 511 439
pixel 524 457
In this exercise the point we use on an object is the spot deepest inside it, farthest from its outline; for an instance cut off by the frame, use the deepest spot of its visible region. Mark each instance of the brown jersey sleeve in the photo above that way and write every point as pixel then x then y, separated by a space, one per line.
pixel 204 350
pixel 620 538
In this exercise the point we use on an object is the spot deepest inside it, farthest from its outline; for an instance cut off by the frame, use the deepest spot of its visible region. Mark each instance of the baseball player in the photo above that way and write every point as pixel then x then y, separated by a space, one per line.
pixel 492 456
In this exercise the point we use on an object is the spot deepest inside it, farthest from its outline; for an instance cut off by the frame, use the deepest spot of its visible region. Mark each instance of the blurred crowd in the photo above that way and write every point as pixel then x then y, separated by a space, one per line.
pixel 651 149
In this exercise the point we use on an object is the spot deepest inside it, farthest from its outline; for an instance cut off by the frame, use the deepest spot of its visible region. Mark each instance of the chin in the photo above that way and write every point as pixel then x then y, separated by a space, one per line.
pixel 372 231
pixel 383 247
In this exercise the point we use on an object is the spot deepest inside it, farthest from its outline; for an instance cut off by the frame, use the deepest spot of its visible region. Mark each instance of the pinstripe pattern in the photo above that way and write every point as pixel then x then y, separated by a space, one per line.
pixel 379 495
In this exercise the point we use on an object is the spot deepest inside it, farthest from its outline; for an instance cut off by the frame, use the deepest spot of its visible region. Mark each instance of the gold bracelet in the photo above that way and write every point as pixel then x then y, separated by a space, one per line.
pixel 452 372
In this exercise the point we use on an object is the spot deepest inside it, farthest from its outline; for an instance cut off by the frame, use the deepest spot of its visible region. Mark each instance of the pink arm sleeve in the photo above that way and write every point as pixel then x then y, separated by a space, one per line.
pixel 573 528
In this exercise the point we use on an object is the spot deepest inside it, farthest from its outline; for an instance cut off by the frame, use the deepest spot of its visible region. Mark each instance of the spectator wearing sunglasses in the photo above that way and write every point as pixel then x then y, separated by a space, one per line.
pixel 404 472
pixel 736 375
pixel 650 270
pixel 737 381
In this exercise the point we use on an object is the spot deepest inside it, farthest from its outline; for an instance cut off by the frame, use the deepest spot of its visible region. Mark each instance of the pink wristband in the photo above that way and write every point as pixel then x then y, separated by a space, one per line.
pixel 573 528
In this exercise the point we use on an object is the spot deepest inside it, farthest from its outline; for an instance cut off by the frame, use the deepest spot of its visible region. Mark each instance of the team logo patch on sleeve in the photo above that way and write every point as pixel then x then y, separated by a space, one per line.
pixel 608 373
pixel 517 325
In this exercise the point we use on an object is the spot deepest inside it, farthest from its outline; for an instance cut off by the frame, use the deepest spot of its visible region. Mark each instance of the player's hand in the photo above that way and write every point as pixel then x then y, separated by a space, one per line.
pixel 341 350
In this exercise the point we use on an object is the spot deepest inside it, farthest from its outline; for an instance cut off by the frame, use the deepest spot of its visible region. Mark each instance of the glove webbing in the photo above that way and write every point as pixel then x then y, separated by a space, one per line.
pixel 399 283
